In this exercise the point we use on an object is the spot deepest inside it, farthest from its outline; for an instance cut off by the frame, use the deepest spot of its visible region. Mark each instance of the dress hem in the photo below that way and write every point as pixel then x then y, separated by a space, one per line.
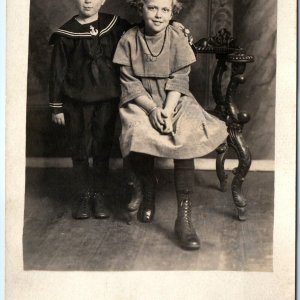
pixel 167 153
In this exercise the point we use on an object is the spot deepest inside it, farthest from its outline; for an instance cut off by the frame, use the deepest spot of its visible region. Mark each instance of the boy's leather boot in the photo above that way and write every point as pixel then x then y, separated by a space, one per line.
pixel 184 228
pixel 100 209
pixel 83 210
pixel 100 175
pixel 147 208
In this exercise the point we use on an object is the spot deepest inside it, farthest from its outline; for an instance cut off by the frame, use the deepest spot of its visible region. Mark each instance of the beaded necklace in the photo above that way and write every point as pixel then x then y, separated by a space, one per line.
pixel 162 48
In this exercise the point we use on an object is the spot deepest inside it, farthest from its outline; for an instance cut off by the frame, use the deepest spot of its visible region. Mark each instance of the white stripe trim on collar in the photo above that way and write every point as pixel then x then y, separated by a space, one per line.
pixel 70 33
pixel 109 26
pixel 88 34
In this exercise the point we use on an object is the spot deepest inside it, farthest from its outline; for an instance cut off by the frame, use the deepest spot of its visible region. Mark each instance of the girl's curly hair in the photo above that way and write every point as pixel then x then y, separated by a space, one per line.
pixel 138 4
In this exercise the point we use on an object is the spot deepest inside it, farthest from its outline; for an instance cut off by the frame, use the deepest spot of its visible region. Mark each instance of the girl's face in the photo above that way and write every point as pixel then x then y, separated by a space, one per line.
pixel 156 15
pixel 89 8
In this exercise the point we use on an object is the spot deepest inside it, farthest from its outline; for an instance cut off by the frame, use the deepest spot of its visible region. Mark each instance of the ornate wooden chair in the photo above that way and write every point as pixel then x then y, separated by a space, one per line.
pixel 227 52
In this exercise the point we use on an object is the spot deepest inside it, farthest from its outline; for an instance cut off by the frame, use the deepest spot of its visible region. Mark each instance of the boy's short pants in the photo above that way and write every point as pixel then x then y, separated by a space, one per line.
pixel 90 127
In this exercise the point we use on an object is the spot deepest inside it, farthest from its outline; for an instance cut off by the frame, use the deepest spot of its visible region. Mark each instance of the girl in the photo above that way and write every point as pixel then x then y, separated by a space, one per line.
pixel 159 115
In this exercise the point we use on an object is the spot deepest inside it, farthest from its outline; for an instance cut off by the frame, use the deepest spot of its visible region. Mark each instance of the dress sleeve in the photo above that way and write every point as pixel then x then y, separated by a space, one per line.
pixel 58 71
pixel 122 54
pixel 131 86
pixel 183 54
pixel 179 81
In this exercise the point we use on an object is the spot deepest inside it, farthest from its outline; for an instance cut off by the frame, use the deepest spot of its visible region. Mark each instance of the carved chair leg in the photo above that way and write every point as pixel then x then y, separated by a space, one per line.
pixel 237 142
pixel 221 156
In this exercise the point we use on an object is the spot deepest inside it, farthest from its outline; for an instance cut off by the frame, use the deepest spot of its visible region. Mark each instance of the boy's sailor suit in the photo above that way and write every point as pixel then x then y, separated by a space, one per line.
pixel 85 86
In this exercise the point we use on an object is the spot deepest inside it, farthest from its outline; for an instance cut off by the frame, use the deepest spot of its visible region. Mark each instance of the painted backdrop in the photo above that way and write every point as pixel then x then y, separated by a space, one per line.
pixel 253 23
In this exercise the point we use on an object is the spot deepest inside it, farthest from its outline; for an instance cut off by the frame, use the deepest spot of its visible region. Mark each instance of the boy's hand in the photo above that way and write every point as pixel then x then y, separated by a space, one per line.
pixel 157 117
pixel 186 31
pixel 58 119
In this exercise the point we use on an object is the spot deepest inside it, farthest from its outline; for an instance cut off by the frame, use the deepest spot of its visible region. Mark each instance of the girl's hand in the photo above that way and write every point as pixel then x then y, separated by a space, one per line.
pixel 58 119
pixel 185 31
pixel 157 119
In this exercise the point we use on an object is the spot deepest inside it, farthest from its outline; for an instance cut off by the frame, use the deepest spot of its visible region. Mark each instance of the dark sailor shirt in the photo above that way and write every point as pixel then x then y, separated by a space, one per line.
pixel 81 65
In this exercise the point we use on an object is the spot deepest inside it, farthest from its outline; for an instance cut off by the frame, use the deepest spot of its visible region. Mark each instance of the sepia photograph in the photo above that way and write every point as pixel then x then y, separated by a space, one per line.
pixel 147 143
pixel 84 213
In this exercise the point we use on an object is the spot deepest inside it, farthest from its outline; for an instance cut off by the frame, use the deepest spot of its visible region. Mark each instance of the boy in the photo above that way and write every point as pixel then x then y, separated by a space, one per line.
pixel 84 92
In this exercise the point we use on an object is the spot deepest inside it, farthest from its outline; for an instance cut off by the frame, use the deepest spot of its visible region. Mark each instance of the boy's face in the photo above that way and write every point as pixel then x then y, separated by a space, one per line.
pixel 89 8
pixel 156 15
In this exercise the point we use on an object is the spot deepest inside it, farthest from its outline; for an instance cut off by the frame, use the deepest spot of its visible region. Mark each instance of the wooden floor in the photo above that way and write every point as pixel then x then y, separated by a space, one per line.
pixel 52 240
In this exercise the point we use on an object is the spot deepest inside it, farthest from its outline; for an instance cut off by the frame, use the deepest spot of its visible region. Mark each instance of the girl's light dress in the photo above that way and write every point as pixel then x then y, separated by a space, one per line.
pixel 196 132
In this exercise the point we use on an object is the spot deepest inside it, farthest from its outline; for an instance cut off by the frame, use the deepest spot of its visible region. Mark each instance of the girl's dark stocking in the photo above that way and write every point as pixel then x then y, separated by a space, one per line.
pixel 143 166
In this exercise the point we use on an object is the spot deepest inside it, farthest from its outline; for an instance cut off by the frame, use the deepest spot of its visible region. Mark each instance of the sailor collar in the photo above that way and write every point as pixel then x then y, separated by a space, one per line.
pixel 73 29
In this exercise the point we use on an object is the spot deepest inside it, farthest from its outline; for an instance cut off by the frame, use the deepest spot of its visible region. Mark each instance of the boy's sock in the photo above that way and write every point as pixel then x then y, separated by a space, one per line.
pixel 81 175
pixel 100 173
